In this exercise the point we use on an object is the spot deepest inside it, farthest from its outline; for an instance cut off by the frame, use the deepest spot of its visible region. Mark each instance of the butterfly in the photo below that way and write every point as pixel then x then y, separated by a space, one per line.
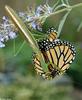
pixel 57 54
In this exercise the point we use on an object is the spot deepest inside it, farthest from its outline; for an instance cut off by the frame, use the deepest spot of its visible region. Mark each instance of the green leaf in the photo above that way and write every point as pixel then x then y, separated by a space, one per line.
pixel 79 27
pixel 61 24
pixel 24 30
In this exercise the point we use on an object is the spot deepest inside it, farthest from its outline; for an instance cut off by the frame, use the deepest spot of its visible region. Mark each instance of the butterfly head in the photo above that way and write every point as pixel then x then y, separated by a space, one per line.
pixel 52 34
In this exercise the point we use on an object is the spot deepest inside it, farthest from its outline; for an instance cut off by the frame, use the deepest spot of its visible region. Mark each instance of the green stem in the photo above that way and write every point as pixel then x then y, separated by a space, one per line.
pixel 77 5
pixel 66 9
pixel 14 47
pixel 56 4
pixel 20 48
pixel 57 12
pixel 40 35
pixel 62 10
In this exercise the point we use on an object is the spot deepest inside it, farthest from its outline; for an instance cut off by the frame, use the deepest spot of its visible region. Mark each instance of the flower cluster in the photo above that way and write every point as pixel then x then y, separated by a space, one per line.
pixel 33 18
pixel 7 31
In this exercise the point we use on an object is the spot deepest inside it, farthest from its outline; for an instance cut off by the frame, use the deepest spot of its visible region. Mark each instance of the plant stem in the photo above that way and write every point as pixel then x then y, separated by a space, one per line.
pixel 66 9
pixel 57 12
pixel 38 35
pixel 62 10
pixel 20 48
pixel 14 47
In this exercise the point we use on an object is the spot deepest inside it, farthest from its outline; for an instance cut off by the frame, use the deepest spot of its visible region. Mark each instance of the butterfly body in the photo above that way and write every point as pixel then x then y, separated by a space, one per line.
pixel 57 54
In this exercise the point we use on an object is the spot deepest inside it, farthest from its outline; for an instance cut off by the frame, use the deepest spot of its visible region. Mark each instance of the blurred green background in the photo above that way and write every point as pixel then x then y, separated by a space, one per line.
pixel 18 80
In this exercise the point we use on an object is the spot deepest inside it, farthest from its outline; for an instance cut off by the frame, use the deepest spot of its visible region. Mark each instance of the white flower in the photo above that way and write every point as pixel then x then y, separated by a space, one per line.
pixel 34 26
pixel 7 31
pixel 1 38
pixel 6 37
pixel 29 18
pixel 12 35
pixel 38 11
pixel 5 19
pixel 33 16
pixel 2 45
pixel 43 10
pixel 21 14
